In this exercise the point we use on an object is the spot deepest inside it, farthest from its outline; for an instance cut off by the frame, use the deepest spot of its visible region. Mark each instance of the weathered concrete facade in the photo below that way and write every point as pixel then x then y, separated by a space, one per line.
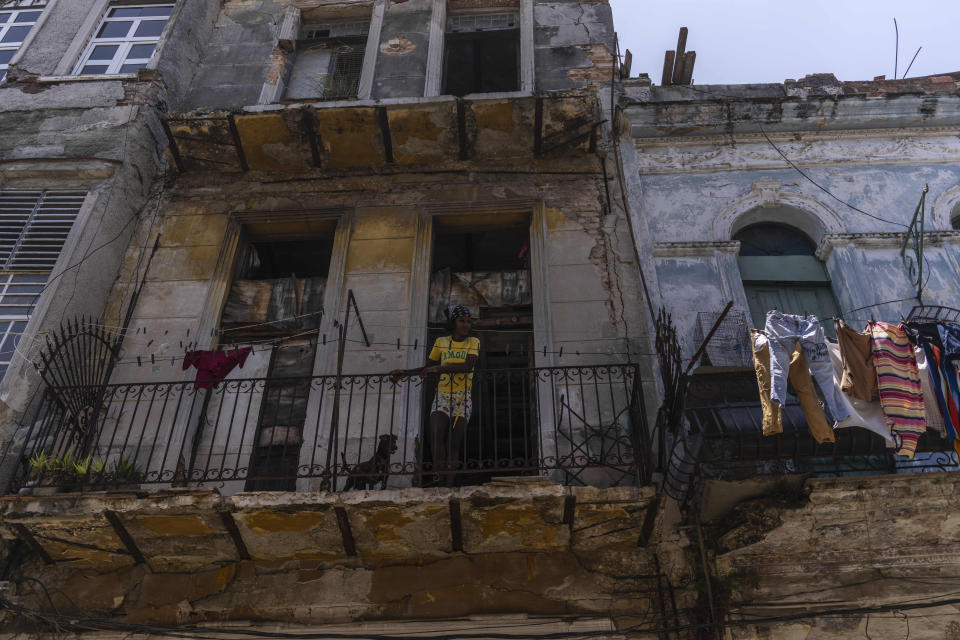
pixel 381 179
pixel 709 164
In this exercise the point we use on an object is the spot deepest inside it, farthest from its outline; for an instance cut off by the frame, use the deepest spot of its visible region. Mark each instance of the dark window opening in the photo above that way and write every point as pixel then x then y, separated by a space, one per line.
pixel 482 62
pixel 326 68
pixel 769 239
pixel 266 259
pixel 486 268
pixel 955 218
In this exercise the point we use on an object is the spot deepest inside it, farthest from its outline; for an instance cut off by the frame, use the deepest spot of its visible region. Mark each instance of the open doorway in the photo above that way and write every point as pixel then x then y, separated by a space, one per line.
pixel 482 263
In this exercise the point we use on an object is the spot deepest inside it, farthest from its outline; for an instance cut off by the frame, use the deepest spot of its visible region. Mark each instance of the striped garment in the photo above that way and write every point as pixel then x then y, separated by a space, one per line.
pixel 898 381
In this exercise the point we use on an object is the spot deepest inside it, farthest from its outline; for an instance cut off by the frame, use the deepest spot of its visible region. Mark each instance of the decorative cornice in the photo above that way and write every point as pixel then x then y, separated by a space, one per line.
pixel 694 249
pixel 880 241
pixel 751 151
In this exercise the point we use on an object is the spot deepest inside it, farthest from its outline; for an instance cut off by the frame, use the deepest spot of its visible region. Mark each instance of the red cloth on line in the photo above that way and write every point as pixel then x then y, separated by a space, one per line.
pixel 213 366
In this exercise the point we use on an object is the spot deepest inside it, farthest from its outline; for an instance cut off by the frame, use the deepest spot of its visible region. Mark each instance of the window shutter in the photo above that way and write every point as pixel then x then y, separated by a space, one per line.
pixel 34 225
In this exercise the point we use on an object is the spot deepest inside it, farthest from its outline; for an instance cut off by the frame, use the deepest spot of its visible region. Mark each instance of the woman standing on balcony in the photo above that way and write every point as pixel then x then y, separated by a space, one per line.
pixel 452 407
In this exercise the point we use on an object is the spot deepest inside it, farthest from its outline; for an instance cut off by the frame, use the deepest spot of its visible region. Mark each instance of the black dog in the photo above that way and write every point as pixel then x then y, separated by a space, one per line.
pixel 379 464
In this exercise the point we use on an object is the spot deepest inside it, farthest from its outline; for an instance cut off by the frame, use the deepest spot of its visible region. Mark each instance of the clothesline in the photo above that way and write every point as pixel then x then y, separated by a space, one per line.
pixel 896 380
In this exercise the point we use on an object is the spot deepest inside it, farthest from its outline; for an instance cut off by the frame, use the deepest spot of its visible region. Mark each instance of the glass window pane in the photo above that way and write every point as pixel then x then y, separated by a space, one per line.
pixel 27 16
pixel 150 28
pixel 6 55
pixel 4 16
pixel 93 69
pixel 104 52
pixel 140 51
pixel 3 327
pixel 26 299
pixel 3 74
pixel 140 12
pixel 16 34
pixel 118 29
pixel 133 67
pixel 15 311
pixel 25 288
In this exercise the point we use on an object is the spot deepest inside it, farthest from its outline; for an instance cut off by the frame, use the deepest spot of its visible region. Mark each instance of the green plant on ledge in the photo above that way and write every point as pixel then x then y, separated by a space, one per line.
pixel 70 471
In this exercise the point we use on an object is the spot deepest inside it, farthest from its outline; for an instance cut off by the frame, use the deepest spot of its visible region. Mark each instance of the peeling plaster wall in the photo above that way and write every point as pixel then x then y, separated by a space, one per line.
pixel 854 542
pixel 698 188
pixel 235 57
pixel 573 44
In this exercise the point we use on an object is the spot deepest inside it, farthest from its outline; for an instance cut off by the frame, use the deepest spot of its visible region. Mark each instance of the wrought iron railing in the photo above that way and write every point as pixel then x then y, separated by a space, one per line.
pixel 723 438
pixel 583 425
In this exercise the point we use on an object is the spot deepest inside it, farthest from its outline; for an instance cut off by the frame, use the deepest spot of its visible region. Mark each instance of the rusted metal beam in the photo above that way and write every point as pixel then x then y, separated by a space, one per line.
pixel 174 151
pixel 383 119
pixel 569 510
pixel 231 526
pixel 349 544
pixel 456 525
pixel 307 122
pixel 538 127
pixel 241 156
pixel 125 537
pixel 462 129
pixel 24 534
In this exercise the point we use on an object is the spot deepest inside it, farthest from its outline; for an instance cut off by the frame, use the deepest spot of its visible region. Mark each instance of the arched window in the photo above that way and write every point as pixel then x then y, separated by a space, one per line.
pixel 780 271
pixel 955 217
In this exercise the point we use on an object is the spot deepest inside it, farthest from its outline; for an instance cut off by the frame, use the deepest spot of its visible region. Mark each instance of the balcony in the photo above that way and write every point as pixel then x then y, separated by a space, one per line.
pixel 578 425
pixel 724 439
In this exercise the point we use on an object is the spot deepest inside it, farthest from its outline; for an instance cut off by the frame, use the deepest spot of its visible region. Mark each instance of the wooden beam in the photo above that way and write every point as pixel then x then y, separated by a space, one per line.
pixel 349 544
pixel 24 534
pixel 667 78
pixel 678 61
pixel 383 120
pixel 231 526
pixel 241 156
pixel 456 525
pixel 689 58
pixel 125 537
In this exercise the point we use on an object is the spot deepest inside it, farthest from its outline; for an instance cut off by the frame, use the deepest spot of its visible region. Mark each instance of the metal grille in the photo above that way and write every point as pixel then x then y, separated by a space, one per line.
pixel 482 22
pixel 344 77
pixel 34 225
pixel 730 344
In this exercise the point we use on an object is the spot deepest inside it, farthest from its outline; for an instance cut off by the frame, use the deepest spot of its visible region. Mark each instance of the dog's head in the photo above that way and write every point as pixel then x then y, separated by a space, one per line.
pixel 388 443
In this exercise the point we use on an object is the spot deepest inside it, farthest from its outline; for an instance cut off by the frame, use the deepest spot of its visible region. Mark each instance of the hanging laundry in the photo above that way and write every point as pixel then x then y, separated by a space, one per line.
pixel 863 414
pixel 931 405
pixel 213 366
pixel 799 376
pixel 859 375
pixel 943 376
pixel 898 382
pixel 785 331
pixel 949 341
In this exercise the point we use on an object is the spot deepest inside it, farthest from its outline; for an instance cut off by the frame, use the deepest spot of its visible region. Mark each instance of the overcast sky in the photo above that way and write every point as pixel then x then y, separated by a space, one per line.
pixel 742 41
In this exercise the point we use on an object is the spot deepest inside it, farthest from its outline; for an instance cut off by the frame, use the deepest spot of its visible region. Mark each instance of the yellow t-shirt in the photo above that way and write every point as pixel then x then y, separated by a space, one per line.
pixel 446 351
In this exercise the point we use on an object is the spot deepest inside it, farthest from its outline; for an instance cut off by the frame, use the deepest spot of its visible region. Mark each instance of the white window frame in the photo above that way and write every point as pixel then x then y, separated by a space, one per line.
pixel 16 10
pixel 123 44
pixel 16 321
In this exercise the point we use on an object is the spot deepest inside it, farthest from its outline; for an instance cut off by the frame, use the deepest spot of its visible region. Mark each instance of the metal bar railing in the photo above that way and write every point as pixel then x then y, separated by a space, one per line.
pixel 724 416
pixel 583 425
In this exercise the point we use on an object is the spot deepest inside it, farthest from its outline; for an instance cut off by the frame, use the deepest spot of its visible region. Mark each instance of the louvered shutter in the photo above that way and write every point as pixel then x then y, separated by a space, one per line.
pixel 34 225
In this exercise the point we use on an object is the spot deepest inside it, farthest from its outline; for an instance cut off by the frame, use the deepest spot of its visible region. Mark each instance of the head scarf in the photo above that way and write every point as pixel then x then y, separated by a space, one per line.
pixel 459 311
